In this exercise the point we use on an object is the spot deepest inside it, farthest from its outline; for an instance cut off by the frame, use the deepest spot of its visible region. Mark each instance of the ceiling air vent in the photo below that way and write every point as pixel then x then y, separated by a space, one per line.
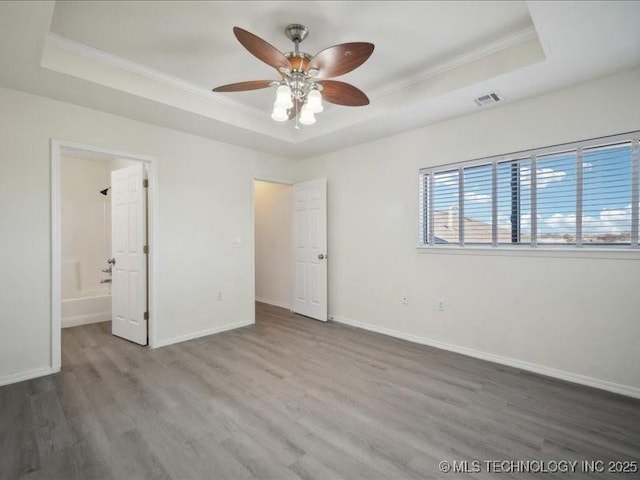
pixel 488 99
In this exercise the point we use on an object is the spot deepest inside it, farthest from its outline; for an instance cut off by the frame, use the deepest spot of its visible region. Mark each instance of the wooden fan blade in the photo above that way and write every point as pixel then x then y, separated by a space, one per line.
pixel 341 59
pixel 341 93
pixel 295 110
pixel 261 49
pixel 243 86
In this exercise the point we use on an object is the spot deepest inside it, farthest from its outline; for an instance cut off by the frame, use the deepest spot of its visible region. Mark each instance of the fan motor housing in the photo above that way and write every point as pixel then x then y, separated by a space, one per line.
pixel 299 61
pixel 296 32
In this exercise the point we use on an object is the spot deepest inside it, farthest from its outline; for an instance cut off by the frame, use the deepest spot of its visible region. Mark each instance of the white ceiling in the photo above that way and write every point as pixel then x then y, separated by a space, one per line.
pixel 157 61
pixel 193 41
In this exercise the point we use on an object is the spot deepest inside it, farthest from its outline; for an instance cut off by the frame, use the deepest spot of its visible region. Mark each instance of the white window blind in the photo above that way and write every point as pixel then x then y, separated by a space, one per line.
pixel 578 194
pixel 607 177
pixel 446 207
pixel 478 189
pixel 556 188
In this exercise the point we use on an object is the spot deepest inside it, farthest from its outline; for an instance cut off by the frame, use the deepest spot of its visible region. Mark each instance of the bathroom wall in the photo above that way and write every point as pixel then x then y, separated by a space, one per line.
pixel 86 224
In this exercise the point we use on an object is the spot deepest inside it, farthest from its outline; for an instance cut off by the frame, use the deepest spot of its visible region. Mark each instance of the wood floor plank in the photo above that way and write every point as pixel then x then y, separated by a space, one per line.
pixel 19 452
pixel 293 398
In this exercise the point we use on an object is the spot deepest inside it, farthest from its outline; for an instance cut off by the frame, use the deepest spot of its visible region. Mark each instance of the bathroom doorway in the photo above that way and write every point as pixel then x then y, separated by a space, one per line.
pixel 85 219
pixel 94 189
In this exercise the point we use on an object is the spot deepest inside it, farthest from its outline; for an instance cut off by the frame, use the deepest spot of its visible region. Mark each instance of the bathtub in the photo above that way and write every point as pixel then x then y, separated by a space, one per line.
pixel 82 305
pixel 90 306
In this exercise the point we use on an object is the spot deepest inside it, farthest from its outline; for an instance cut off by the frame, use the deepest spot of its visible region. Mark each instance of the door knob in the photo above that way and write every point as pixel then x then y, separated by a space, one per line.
pixel 322 256
pixel 111 261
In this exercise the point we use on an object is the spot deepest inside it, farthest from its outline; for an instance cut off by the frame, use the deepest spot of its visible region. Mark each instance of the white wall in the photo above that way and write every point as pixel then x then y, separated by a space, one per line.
pixel 273 243
pixel 570 316
pixel 204 202
pixel 85 222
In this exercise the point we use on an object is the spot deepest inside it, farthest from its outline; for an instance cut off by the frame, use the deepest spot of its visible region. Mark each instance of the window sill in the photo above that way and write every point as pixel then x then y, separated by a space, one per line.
pixel 605 253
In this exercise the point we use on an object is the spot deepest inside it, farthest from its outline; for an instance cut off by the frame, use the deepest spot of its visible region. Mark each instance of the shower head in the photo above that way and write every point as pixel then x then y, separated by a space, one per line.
pixel 104 192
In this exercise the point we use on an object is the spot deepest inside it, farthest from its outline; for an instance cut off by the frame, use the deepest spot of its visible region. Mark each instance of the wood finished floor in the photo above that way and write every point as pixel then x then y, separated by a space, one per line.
pixel 292 398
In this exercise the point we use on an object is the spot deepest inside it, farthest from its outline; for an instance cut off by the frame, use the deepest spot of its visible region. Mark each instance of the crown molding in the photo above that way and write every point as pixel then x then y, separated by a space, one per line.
pixel 95 54
pixel 78 48
pixel 478 53
pixel 339 119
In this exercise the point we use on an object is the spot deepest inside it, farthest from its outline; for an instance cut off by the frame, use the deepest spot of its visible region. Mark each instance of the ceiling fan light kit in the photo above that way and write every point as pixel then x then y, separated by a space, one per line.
pixel 304 80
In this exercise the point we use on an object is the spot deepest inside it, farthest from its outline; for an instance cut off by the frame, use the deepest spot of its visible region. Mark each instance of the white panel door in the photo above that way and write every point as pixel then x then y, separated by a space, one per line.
pixel 128 239
pixel 310 249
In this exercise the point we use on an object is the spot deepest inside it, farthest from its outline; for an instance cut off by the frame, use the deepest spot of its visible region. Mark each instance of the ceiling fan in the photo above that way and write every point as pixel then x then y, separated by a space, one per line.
pixel 304 79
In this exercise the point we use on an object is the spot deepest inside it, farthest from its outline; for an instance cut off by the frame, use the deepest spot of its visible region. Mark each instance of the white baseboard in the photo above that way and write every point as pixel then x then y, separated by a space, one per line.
pixel 28 375
pixel 86 319
pixel 275 303
pixel 510 362
pixel 202 333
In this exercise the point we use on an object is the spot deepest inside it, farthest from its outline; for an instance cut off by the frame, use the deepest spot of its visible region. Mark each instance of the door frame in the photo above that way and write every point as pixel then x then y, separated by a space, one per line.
pixel 56 239
pixel 281 181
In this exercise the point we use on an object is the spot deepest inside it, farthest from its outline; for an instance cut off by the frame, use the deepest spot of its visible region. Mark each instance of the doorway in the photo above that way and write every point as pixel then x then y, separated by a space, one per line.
pixel 272 243
pixel 85 205
pixel 290 246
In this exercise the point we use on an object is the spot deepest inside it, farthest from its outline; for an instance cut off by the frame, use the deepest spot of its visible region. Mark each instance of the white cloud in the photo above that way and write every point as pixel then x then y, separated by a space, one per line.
pixel 525 221
pixel 449 179
pixel 611 221
pixel 477 197
pixel 544 176
pixel 608 221
pixel 561 222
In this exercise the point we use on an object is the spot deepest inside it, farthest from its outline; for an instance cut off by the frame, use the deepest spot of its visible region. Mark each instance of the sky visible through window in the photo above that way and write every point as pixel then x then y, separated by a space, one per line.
pixel 606 215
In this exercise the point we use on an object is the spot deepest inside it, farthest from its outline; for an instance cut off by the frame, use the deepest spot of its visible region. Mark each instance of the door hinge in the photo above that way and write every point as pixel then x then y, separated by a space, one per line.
pixel 146 315
pixel 145 249
pixel 145 183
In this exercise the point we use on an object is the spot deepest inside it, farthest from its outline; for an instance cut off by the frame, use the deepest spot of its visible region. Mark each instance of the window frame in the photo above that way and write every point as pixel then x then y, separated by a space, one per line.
pixel 425 205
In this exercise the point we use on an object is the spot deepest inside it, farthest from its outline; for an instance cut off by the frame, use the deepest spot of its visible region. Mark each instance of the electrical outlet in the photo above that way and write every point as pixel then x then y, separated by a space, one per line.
pixel 405 299
pixel 441 305
pixel 220 295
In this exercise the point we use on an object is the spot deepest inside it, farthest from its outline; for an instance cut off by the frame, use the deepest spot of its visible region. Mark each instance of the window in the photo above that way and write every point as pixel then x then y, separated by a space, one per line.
pixel 580 194
pixel 513 201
